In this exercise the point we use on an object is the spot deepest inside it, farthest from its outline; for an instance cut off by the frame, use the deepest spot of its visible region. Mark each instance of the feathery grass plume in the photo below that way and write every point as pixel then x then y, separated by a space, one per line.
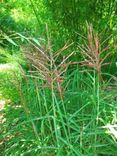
pixel 49 66
pixel 92 51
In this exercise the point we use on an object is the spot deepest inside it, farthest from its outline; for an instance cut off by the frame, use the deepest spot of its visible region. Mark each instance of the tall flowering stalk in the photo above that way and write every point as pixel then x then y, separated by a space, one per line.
pixel 92 52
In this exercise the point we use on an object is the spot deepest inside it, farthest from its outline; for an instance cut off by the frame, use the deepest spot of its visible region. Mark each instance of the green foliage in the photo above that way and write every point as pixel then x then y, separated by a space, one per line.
pixel 80 122
pixel 53 106
pixel 73 14
pixel 40 125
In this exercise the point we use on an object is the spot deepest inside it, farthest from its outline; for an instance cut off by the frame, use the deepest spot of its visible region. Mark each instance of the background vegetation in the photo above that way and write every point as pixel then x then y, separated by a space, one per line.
pixel 58 78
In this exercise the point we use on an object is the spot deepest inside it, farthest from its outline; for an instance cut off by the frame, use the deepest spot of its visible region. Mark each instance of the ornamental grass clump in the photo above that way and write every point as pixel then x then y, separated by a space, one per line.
pixel 59 111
